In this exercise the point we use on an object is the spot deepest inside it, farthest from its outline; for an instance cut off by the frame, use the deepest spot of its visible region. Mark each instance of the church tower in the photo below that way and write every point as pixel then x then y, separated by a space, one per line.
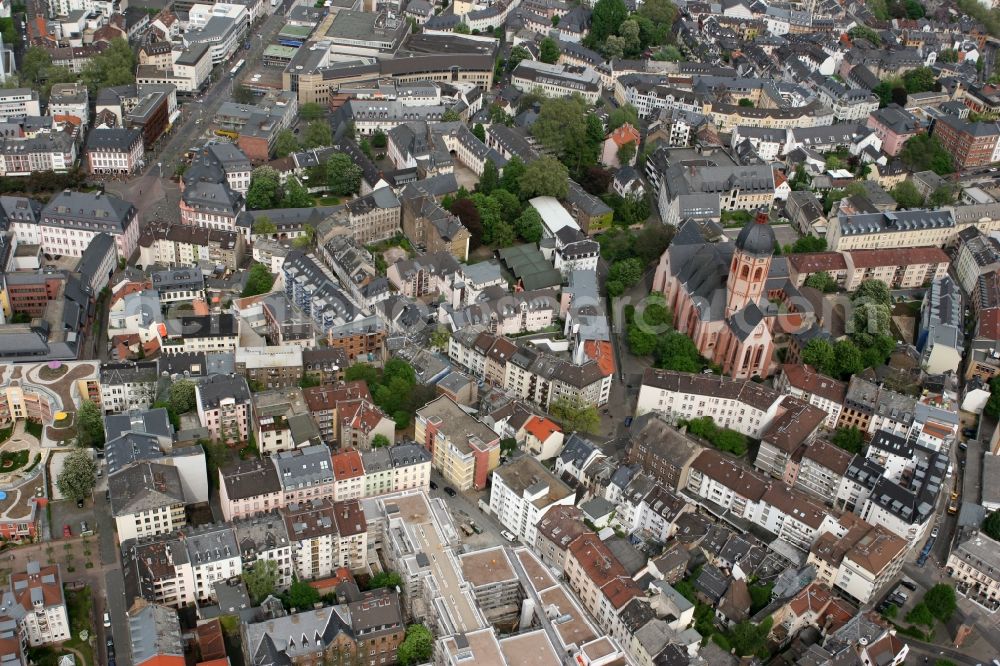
pixel 751 264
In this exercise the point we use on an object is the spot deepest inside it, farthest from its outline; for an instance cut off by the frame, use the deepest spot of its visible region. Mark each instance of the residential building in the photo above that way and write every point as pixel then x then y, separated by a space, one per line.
pixel 128 386
pixel 198 333
pixel 271 367
pixel 600 581
pixel 326 536
pixel 522 491
pixel 248 488
pixel 818 390
pixel 71 220
pixel 37 606
pixel 970 144
pixel 557 80
pixel 974 566
pixel 225 407
pixel 146 500
pixel 557 528
pixel 154 633
pixel 304 474
pixel 858 559
pixel 114 152
pixel 281 421
pixel 464 449
pixel 660 450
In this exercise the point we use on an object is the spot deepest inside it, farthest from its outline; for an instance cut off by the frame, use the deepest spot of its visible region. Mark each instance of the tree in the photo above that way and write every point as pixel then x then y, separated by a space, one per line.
pixel 378 441
pixel 259 281
pixel 265 188
pixel 450 116
pixel 662 12
pixel 872 291
pixel 819 354
pixel 439 338
pixel 626 153
pixel 676 351
pixel 566 127
pixel 285 143
pixel 574 414
pixel 947 55
pixel 907 195
pixel 920 614
pixel 263 226
pixel 749 639
pixel 385 579
pixel 306 239
pixel 509 205
pixel 490 178
pixel 78 476
pixel 462 29
pixel 242 94
pixel 623 274
pixel 479 132
pixel 529 225
pixel 342 175
pixel 760 596
pixel 467 213
pixel 849 358
pixel 991 525
pixel 300 595
pixel 182 396
pixel 849 439
pixel 942 196
pixel 317 134
pixel 596 180
pixel 89 425
pixel 311 111
pixel 517 54
pixel 605 20
pixel 379 139
pixel 544 177
pixel 921 79
pixel 417 647
pixel 940 601
pixel 806 244
pixel 548 51
pixel 364 372
pixel 626 113
pixel 296 196
pixel 511 178
pixel 822 281
pixel 261 580
pixel 115 66
pixel 864 32
pixel 923 152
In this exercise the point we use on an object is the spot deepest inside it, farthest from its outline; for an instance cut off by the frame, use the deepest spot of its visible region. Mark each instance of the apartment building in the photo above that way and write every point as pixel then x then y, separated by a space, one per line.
pixel 601 582
pixel 281 421
pixel 16 102
pixel 803 382
pixel 660 450
pixel 977 255
pixel 557 80
pixel 495 584
pixel 326 536
pixel 214 556
pixel 180 245
pixel 36 605
pixel 372 218
pixel 249 487
pixel 463 449
pixel 146 500
pixel 199 333
pixel 325 402
pixel 970 144
pixel 128 386
pixel 898 268
pixel 348 475
pixel 425 275
pixel 305 474
pixel 975 565
pixel 712 190
pixel 557 528
pixel 793 427
pixel 271 367
pixel 858 559
pixel 522 491
pixel 178 284
pixel 114 151
pixel 899 229
pixel 265 537
pixel 821 470
pixel 225 407
pixel 49 151
pixel 71 220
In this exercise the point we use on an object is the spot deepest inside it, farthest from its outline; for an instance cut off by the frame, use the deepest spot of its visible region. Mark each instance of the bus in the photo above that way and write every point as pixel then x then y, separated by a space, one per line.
pixel 237 67
pixel 296 43
pixel 229 134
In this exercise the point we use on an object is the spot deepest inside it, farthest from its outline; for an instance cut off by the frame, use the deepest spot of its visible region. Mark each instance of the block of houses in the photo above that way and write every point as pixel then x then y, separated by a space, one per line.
pixel 36 606
pixel 523 489
pixel 464 449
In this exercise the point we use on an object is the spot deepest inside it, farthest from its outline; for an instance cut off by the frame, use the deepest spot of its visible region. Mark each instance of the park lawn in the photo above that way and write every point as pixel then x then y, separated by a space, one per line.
pixel 327 201
pixel 78 604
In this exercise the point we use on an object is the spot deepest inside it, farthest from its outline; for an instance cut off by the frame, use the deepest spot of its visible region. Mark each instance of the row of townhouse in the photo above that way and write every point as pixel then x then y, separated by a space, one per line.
pixel 250 487
pixel 307 540
pixel 532 375
pixel 898 268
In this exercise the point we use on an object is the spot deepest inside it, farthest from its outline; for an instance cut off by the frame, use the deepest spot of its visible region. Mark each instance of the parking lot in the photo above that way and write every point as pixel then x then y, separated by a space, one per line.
pixel 66 512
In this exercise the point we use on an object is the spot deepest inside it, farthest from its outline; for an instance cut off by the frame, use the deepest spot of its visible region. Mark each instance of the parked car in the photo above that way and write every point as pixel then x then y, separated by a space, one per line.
pixel 79 504
pixel 67 532
pixel 934 533
pixel 451 491
pixel 434 486
pixel 107 619
pixel 507 535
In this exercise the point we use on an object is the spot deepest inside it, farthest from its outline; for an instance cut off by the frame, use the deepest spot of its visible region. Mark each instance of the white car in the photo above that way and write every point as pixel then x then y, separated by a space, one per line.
pixel 107 620
pixel 507 535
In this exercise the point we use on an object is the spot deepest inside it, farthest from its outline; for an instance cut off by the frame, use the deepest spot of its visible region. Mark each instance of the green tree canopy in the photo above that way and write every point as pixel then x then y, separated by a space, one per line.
pixel 182 396
pixel 544 177
pixel 261 580
pixel 115 66
pixel 296 196
pixel 385 579
pixel 300 595
pixel 850 439
pixel 626 113
pixel 379 441
pixel 285 143
pixel 822 281
pixel 605 20
pixel 563 127
pixel 548 51
pixel 89 425
pixel 818 353
pixel 529 225
pixel 78 476
pixel 417 646
pixel 311 111
pixel 924 152
pixel 991 525
pixel 264 226
pixel 907 195
pixel 259 281
pixel 317 134
pixel 623 274
pixel 575 415
pixel 941 602
pixel 341 174
pixel 265 188
pixel 490 179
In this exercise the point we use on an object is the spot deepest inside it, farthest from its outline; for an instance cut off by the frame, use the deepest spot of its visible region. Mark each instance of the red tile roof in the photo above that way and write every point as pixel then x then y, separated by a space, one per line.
pixel 541 428
pixel 814 262
pixel 603 353
pixel 902 256
pixel 347 465
pixel 625 134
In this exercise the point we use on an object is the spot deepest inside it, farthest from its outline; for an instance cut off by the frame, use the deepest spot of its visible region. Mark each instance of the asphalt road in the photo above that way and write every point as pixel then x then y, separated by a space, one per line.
pixel 114 601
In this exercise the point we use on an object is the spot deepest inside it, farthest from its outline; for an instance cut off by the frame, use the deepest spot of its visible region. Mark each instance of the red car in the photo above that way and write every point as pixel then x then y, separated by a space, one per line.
pixel 67 532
